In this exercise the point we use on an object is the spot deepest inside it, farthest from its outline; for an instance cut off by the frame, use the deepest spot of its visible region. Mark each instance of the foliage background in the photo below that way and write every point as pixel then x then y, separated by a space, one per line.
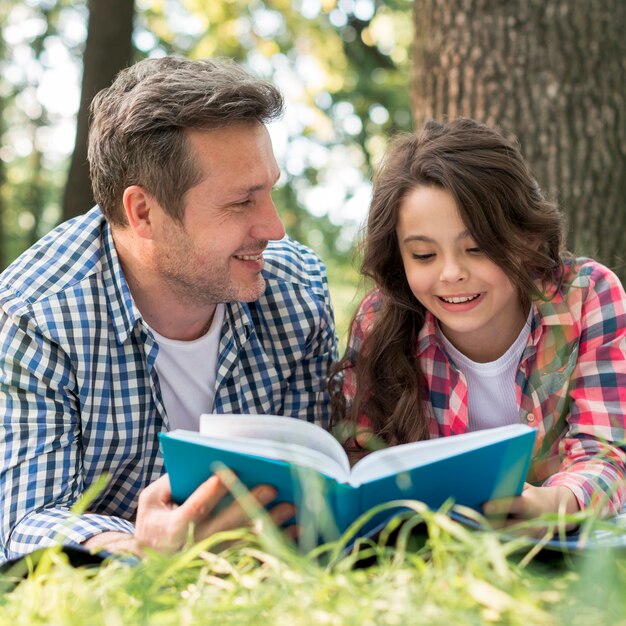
pixel 343 66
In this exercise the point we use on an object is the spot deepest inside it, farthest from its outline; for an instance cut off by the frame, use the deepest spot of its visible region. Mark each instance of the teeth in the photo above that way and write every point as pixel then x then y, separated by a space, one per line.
pixel 460 299
pixel 249 257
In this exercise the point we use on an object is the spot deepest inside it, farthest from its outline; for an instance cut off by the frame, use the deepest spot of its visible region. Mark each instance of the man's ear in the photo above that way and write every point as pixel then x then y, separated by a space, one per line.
pixel 139 206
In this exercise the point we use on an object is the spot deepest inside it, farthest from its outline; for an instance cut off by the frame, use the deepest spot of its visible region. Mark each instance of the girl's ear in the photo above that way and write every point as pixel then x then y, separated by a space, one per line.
pixel 139 206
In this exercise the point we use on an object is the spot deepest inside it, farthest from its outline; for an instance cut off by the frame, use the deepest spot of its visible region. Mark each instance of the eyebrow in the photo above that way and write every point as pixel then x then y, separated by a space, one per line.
pixel 254 188
pixel 462 235
pixel 245 191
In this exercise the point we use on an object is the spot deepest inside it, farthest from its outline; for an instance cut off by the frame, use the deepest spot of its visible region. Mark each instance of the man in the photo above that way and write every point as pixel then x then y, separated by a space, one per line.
pixel 177 295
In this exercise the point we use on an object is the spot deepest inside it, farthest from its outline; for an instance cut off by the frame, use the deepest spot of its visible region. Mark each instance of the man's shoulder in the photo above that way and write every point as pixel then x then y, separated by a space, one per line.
pixel 290 261
pixel 62 258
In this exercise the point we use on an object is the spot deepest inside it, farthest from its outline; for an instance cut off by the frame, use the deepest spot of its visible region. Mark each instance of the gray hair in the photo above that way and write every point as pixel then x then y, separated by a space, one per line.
pixel 137 129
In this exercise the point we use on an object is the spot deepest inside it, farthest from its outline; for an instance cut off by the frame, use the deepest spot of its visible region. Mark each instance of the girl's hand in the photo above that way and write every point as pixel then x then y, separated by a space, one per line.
pixel 533 503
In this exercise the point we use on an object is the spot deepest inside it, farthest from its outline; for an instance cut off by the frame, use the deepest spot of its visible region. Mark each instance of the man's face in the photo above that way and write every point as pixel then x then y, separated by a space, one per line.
pixel 216 255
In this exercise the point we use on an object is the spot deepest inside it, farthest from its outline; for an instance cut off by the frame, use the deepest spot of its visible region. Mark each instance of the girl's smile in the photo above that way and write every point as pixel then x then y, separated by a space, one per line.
pixel 476 304
pixel 460 302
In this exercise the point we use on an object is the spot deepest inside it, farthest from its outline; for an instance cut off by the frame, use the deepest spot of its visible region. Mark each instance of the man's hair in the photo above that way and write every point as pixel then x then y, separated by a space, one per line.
pixel 506 214
pixel 137 126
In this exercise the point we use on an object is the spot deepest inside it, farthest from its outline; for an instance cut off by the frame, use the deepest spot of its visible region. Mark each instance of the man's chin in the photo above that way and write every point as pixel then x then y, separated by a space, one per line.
pixel 252 293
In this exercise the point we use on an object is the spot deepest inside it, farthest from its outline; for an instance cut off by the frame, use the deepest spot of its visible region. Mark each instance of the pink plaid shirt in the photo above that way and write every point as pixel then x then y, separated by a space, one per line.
pixel 570 384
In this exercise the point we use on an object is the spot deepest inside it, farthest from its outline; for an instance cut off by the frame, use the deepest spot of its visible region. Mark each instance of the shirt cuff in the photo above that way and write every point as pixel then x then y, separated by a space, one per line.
pixel 55 526
pixel 589 494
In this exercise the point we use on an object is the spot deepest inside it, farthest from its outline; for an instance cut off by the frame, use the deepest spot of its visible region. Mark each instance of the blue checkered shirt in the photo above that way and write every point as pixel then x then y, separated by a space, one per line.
pixel 79 393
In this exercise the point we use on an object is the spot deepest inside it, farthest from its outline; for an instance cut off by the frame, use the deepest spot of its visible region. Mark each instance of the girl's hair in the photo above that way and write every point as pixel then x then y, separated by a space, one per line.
pixel 503 208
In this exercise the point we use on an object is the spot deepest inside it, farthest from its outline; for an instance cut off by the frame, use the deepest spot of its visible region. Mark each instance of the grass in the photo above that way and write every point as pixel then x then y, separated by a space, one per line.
pixel 446 574
pixel 451 575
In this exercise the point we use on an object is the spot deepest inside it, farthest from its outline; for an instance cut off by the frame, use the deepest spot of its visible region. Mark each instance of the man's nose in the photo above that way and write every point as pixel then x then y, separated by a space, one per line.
pixel 268 224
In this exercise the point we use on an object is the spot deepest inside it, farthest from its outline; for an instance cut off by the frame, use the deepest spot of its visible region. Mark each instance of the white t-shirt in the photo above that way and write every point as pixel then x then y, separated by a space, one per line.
pixel 491 391
pixel 187 372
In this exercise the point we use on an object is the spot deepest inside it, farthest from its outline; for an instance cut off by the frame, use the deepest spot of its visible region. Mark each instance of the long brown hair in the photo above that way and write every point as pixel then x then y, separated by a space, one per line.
pixel 503 208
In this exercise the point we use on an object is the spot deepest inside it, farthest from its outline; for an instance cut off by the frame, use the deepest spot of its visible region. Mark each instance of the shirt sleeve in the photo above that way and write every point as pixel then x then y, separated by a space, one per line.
pixel 594 462
pixel 41 447
pixel 307 396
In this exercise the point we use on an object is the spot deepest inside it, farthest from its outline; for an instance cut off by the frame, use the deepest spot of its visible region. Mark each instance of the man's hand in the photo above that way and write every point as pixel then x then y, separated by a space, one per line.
pixel 113 542
pixel 533 503
pixel 163 526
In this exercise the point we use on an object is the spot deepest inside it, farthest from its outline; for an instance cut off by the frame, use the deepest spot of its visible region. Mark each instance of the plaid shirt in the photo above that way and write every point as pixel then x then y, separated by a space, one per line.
pixel 79 394
pixel 570 383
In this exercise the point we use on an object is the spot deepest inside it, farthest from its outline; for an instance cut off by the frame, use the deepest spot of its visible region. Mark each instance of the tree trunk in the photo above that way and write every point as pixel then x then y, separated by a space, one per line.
pixel 552 72
pixel 107 51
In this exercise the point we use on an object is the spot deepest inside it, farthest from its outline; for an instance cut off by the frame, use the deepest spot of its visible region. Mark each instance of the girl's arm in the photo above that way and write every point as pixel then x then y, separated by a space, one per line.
pixel 593 465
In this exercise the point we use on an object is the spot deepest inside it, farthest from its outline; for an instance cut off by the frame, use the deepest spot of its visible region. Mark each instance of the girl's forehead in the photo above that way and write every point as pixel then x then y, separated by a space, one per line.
pixel 430 206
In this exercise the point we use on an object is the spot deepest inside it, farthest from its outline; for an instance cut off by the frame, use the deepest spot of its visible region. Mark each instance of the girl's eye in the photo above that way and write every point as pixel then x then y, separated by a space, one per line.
pixel 474 250
pixel 423 257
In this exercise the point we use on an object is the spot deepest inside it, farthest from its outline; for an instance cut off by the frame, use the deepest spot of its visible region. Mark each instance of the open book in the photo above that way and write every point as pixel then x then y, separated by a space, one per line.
pixel 298 457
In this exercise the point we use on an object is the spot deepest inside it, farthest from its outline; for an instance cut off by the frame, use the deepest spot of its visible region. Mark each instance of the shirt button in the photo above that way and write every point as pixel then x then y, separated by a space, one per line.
pixel 530 417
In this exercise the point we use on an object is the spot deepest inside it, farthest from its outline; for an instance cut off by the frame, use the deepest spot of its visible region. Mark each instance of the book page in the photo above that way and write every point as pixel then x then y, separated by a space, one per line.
pixel 293 454
pixel 407 456
pixel 268 429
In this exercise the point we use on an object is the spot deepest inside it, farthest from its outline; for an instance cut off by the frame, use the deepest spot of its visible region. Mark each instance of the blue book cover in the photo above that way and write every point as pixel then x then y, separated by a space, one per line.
pixel 308 467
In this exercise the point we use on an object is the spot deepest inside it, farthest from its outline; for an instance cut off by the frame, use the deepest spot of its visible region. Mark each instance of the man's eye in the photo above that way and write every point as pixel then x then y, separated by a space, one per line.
pixel 244 203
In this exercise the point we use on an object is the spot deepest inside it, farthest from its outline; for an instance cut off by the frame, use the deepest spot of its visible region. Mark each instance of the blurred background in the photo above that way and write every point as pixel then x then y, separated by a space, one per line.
pixel 354 72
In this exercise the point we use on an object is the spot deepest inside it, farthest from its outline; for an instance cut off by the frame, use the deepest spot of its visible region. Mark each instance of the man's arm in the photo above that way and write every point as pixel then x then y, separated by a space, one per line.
pixel 307 396
pixel 163 526
pixel 40 460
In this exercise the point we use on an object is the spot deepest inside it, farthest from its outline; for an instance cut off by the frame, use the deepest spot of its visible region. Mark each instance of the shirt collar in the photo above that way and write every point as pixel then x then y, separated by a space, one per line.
pixel 428 334
pixel 122 308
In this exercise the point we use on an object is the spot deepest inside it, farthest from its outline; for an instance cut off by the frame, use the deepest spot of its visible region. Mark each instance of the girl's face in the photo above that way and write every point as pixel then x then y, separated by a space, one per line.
pixel 477 306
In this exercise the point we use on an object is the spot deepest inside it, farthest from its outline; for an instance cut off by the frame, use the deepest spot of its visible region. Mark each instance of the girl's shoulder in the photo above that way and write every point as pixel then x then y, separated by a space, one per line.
pixel 586 286
pixel 365 315
pixel 589 275
pixel 371 303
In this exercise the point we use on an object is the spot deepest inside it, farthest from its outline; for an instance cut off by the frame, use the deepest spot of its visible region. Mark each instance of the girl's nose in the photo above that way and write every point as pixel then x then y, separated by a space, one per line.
pixel 452 271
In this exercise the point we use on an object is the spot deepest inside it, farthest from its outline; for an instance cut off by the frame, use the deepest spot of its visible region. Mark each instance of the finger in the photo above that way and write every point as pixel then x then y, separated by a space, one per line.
pixel 203 500
pixel 498 507
pixel 235 516
pixel 160 486
pixel 282 513
pixel 292 532
pixel 521 508
pixel 363 437
pixel 156 493
pixel 515 509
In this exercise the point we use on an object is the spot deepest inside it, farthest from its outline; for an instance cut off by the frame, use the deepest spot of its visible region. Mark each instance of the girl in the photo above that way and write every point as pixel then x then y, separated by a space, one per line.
pixel 479 319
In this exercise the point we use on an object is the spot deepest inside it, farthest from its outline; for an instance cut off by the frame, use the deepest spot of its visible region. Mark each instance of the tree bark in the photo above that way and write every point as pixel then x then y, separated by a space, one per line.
pixel 108 50
pixel 552 72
